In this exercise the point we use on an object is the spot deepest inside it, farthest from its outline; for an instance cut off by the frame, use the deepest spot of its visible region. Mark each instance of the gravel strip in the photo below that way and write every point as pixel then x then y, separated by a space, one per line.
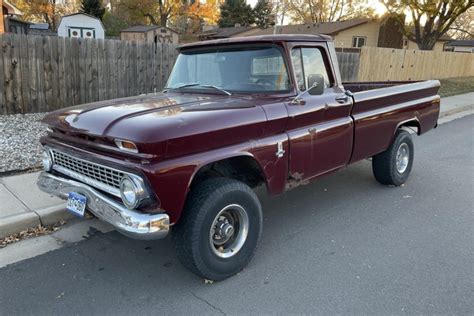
pixel 19 141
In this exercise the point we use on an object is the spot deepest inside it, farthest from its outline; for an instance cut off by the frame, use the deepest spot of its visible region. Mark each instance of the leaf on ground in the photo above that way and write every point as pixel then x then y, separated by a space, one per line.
pixel 39 230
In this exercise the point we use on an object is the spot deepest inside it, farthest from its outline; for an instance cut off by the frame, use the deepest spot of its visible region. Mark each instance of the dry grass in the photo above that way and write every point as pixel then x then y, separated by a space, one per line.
pixel 453 86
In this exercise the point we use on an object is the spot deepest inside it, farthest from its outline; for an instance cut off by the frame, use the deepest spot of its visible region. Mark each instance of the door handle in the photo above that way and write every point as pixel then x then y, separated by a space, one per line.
pixel 342 99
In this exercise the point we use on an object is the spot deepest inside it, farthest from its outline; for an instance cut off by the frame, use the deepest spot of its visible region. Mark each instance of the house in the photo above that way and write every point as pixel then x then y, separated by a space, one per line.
pixel 150 34
pixel 463 46
pixel 81 25
pixel 348 35
pixel 9 19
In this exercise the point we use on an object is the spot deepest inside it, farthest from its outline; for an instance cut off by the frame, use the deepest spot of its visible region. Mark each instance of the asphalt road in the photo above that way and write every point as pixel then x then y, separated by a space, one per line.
pixel 344 245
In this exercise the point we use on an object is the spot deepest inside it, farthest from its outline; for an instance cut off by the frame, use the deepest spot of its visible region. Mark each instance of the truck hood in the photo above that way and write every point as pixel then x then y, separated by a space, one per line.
pixel 171 122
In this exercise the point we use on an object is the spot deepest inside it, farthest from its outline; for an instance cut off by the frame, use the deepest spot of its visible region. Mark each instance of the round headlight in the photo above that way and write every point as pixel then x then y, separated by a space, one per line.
pixel 129 192
pixel 47 161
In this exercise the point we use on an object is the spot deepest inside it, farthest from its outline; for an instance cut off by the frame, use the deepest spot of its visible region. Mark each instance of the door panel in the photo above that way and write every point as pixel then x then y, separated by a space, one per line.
pixel 320 133
pixel 321 128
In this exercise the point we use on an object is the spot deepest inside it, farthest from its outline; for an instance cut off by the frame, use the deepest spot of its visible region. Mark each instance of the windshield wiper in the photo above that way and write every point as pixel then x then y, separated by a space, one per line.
pixel 181 86
pixel 196 84
pixel 216 88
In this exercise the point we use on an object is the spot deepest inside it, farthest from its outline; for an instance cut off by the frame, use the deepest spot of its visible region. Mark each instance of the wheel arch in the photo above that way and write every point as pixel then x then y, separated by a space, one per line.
pixel 243 167
pixel 413 122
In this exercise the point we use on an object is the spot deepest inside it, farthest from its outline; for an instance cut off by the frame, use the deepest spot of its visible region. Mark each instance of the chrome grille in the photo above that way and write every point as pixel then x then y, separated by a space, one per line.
pixel 96 175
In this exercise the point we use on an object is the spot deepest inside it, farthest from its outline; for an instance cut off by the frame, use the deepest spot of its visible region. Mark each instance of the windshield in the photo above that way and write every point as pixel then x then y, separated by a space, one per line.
pixel 245 69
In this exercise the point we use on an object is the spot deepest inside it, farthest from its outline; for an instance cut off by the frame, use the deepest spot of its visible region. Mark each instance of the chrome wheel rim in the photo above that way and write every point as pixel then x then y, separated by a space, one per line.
pixel 403 157
pixel 229 231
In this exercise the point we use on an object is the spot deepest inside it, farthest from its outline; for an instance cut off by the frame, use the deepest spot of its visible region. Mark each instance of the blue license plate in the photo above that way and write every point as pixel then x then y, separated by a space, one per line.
pixel 76 203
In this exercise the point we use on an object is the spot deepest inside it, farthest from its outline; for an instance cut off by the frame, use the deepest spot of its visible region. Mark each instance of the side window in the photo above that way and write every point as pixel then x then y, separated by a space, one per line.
pixel 298 68
pixel 308 61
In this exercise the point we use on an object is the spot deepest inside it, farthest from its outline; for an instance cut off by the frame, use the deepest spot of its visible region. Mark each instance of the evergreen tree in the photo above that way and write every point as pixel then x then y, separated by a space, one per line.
pixel 93 7
pixel 263 13
pixel 236 12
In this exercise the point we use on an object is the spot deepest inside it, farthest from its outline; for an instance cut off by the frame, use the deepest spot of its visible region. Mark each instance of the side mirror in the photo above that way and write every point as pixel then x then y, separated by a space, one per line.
pixel 316 84
pixel 315 87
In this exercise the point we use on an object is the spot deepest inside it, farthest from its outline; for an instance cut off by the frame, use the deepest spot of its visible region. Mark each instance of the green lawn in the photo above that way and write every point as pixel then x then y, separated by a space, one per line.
pixel 453 86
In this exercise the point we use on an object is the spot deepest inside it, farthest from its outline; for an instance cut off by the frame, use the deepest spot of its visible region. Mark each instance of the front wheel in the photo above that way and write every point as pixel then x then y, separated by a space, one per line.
pixel 219 229
pixel 393 166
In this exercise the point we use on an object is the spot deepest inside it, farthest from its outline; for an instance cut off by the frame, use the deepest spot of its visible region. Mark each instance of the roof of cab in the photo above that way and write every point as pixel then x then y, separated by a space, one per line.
pixel 262 38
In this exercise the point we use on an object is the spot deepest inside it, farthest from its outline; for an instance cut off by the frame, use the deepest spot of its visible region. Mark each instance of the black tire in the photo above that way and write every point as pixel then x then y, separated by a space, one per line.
pixel 384 165
pixel 192 234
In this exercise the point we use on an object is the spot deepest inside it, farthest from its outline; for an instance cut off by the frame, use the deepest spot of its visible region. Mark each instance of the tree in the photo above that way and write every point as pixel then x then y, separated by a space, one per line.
pixel 236 12
pixel 319 11
pixel 463 26
pixel 93 7
pixel 158 12
pixel 198 13
pixel 263 14
pixel 47 11
pixel 430 19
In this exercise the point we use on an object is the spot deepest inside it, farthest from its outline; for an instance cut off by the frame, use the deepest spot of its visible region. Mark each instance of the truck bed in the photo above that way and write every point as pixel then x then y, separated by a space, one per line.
pixel 380 108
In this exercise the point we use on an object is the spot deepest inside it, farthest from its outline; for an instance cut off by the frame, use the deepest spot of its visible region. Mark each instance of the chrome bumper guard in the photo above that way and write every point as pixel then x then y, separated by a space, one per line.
pixel 128 222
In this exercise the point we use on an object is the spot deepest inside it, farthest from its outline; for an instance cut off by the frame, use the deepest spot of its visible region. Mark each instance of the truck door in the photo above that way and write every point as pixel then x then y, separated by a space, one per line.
pixel 320 127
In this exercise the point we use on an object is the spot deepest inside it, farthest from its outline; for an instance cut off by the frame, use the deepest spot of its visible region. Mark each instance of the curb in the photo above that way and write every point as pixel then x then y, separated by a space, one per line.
pixel 17 223
pixel 53 214
pixel 47 216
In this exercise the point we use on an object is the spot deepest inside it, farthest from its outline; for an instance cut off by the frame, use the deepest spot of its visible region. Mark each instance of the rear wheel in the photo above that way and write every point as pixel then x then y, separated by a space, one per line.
pixel 219 229
pixel 393 166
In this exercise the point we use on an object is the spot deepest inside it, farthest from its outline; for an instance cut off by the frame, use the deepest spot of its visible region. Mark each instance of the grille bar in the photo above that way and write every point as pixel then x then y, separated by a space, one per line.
pixel 98 176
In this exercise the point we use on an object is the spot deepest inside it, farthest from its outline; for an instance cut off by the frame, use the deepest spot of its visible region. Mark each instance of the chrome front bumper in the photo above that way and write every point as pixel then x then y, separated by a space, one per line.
pixel 131 223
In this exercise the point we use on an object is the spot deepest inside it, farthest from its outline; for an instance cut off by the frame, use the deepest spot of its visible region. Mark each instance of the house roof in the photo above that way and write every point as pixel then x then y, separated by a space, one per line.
pixel 329 28
pixel 225 32
pixel 145 28
pixel 464 43
pixel 11 8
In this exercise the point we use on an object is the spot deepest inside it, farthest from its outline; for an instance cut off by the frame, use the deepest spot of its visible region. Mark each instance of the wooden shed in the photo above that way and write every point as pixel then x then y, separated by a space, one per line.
pixel 150 34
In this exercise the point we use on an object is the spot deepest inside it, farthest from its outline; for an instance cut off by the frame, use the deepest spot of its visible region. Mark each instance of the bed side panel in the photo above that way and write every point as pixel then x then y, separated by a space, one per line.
pixel 378 113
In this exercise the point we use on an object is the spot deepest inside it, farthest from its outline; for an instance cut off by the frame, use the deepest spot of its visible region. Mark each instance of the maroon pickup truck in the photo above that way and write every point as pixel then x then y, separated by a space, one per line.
pixel 236 114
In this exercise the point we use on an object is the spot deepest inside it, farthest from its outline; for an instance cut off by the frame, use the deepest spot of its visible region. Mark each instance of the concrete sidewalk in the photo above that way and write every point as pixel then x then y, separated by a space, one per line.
pixel 456 104
pixel 23 205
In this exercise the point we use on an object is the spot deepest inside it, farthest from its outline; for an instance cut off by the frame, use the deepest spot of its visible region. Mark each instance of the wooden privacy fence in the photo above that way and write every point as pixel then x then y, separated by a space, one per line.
pixel 348 65
pixel 387 64
pixel 45 73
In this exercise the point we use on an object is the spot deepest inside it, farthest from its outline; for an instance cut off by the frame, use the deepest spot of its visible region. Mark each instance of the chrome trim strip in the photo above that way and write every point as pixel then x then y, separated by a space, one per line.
pixel 131 223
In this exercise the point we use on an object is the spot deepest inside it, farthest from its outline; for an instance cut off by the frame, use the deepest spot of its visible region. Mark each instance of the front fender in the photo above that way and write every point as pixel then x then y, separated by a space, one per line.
pixel 172 179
